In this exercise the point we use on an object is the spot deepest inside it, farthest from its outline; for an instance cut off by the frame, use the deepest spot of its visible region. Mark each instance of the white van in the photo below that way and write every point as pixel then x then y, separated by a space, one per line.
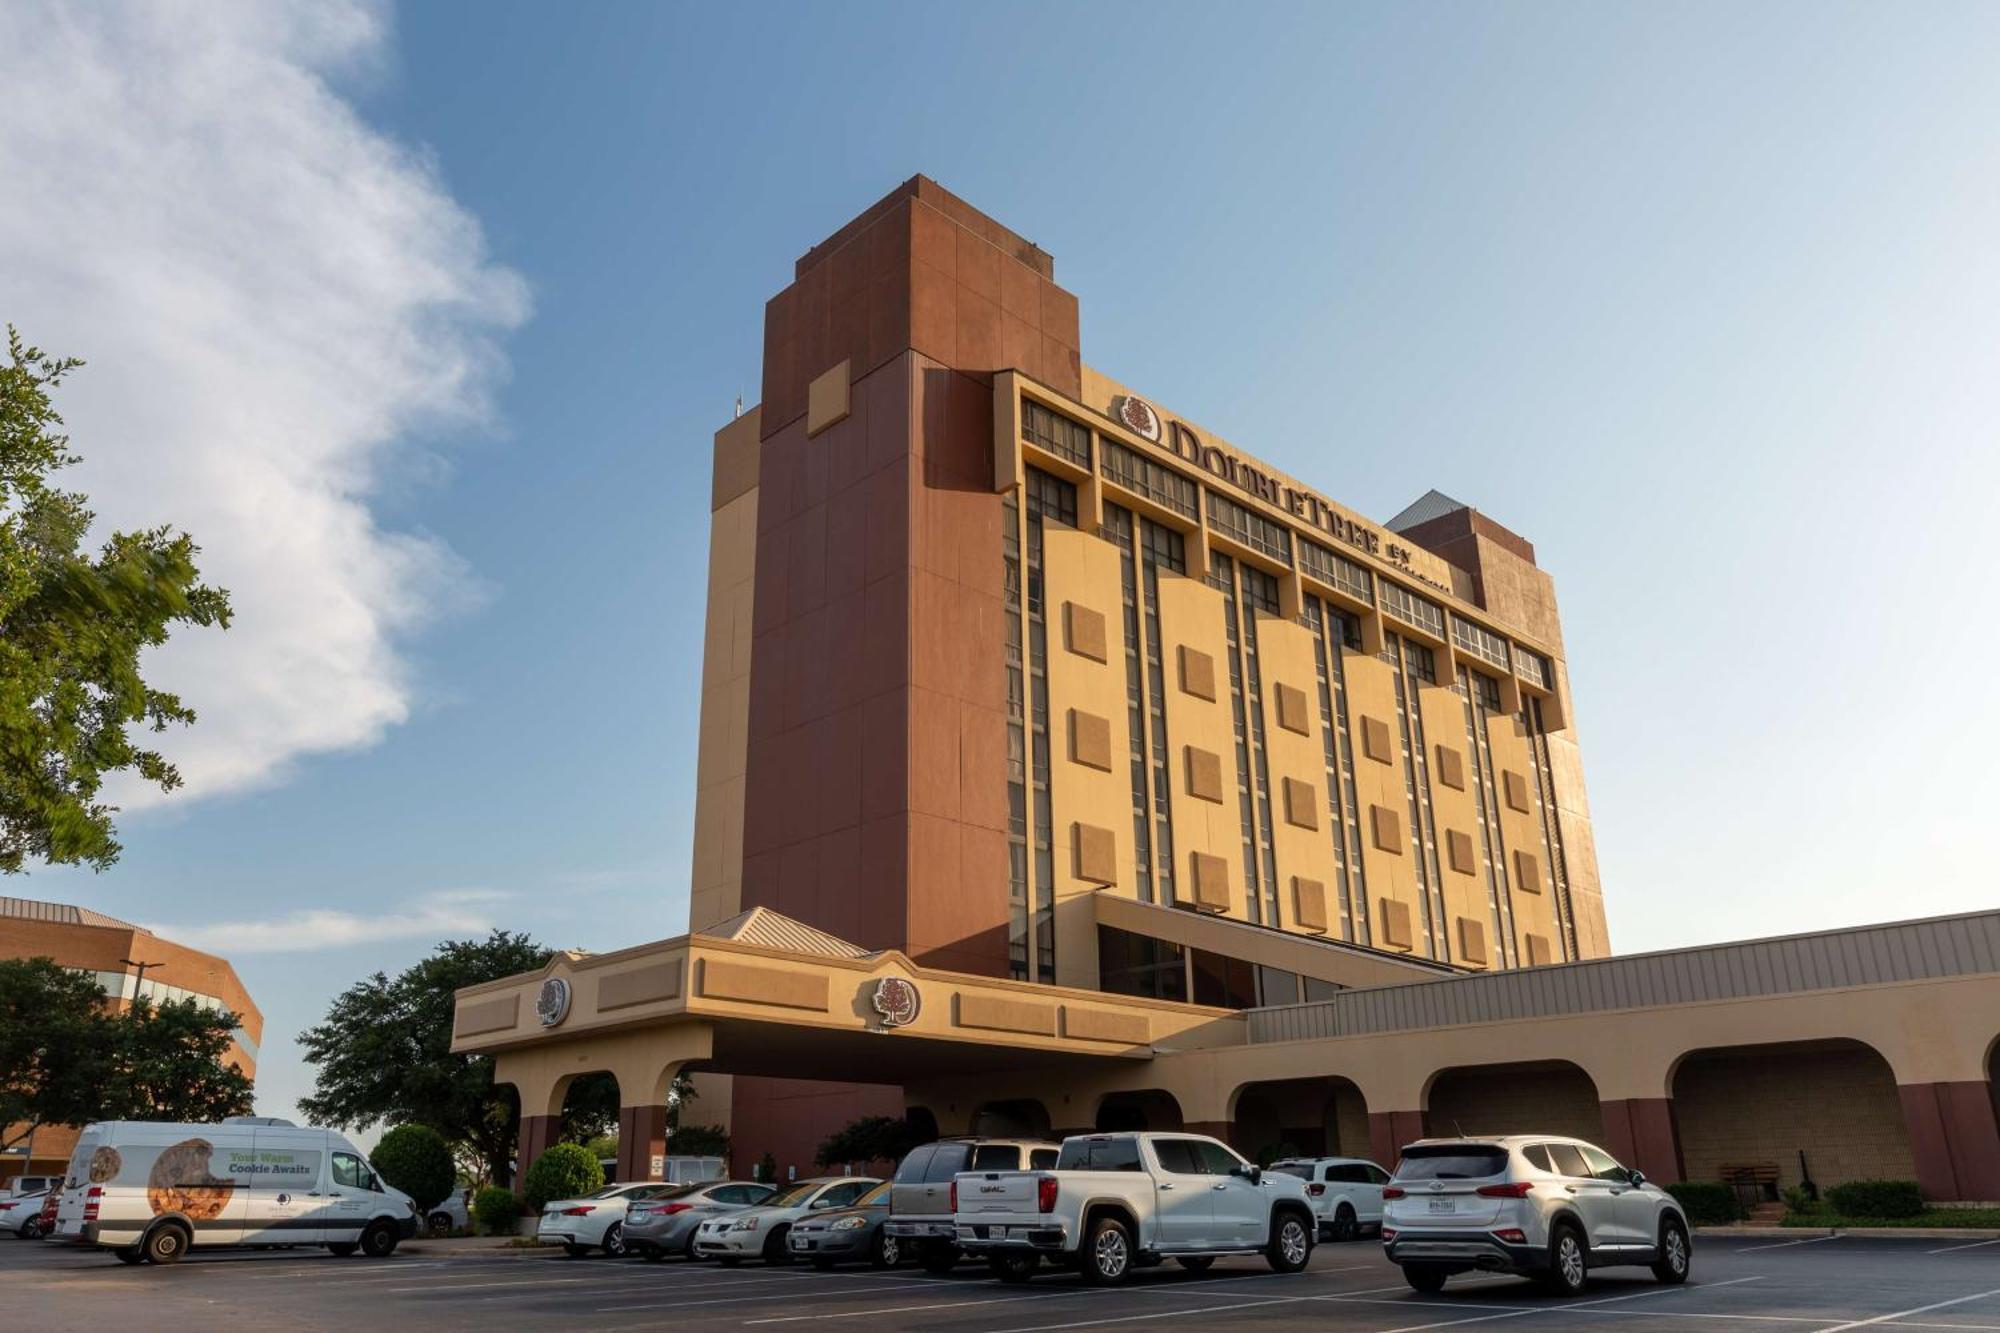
pixel 147 1190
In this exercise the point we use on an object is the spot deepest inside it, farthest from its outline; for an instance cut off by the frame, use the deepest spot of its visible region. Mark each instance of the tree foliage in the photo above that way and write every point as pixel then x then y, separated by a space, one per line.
pixel 565 1171
pixel 871 1138
pixel 417 1160
pixel 698 1141
pixel 384 1051
pixel 72 627
pixel 67 1058
pixel 494 1208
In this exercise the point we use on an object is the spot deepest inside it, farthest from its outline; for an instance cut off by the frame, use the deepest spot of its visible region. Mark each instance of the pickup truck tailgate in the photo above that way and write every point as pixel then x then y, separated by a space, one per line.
pixel 998 1192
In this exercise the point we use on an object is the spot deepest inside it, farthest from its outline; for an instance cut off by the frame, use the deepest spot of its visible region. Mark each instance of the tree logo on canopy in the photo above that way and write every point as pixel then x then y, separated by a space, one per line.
pixel 897 1001
pixel 1139 417
pixel 552 1005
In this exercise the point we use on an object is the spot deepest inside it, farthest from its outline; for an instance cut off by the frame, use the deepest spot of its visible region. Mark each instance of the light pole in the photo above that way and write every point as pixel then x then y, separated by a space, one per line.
pixel 140 979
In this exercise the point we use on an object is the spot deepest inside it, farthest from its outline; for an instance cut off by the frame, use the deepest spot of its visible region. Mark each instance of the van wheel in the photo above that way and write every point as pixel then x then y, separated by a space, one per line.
pixel 1291 1243
pixel 1107 1253
pixel 1673 1264
pixel 938 1257
pixel 378 1240
pixel 1345 1227
pixel 1427 1278
pixel 1569 1262
pixel 130 1255
pixel 165 1244
pixel 1197 1263
pixel 341 1248
pixel 1013 1267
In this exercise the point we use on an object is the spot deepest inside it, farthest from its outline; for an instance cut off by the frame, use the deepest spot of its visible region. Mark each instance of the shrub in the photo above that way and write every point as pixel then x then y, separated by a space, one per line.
pixel 1707 1203
pixel 699 1141
pixel 1877 1198
pixel 416 1160
pixel 565 1171
pixel 1799 1203
pixel 494 1209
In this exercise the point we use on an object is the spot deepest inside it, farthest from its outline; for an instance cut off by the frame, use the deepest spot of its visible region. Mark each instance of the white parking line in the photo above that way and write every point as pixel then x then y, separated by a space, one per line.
pixel 1786 1244
pixel 1969 1245
pixel 908 1309
pixel 1904 1314
pixel 1566 1308
pixel 728 1300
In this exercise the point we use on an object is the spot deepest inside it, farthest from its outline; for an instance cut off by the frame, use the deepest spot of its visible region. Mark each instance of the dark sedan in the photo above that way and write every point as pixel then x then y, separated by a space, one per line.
pixel 849 1235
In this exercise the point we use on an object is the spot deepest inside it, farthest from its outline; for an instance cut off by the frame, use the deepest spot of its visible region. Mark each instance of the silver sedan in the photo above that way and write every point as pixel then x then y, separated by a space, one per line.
pixel 666 1223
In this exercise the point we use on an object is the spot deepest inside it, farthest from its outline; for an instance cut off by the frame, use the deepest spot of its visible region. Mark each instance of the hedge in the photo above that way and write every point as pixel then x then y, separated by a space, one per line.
pixel 565 1171
pixel 416 1160
pixel 1876 1198
pixel 1707 1203
pixel 494 1209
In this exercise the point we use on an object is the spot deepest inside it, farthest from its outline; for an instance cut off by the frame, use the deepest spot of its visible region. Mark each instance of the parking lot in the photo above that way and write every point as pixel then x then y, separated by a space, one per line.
pixel 1824 1285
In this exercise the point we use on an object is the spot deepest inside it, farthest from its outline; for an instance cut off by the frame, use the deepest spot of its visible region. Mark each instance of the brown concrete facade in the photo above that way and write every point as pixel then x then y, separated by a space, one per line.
pixel 89 941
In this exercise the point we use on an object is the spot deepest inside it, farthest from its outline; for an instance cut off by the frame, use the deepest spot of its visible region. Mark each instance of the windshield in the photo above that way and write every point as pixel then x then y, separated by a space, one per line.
pixel 793 1197
pixel 1451 1161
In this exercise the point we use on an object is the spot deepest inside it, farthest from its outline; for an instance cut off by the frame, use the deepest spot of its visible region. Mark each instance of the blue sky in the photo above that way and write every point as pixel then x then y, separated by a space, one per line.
pixel 425 324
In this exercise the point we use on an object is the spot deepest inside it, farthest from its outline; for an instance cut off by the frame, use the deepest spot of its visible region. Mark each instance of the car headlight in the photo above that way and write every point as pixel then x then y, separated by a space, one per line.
pixel 747 1224
pixel 849 1224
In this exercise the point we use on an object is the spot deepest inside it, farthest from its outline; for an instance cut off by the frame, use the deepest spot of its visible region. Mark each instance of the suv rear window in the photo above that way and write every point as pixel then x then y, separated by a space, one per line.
pixel 1120 1154
pixel 911 1172
pixel 1451 1161
pixel 950 1160
pixel 996 1157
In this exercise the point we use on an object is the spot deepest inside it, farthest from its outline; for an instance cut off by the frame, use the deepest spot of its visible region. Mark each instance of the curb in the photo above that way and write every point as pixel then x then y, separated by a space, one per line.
pixel 1859 1233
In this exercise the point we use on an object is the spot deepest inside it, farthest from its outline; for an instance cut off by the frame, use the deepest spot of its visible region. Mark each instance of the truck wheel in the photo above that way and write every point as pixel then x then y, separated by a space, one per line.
pixel 1569 1262
pixel 165 1244
pixel 1291 1243
pixel 1673 1264
pixel 938 1257
pixel 1013 1267
pixel 378 1240
pixel 1427 1278
pixel 1345 1227
pixel 1107 1253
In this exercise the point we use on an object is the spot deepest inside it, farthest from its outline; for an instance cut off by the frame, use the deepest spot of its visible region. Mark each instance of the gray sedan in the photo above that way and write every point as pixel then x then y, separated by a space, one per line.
pixel 849 1235
pixel 665 1224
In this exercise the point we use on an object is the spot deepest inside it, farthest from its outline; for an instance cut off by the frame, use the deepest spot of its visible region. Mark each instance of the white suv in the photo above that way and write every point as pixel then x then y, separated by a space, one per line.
pixel 1345 1192
pixel 1549 1207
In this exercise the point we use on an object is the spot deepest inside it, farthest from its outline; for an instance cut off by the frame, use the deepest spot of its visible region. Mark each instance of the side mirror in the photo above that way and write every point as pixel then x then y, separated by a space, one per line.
pixel 1638 1177
pixel 1253 1174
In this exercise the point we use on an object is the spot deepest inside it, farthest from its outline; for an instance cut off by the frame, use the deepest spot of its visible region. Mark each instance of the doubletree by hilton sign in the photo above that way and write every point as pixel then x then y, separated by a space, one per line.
pixel 1180 440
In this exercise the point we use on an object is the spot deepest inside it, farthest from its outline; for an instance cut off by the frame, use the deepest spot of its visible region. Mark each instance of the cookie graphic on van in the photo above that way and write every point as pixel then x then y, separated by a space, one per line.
pixel 180 1182
pixel 104 1164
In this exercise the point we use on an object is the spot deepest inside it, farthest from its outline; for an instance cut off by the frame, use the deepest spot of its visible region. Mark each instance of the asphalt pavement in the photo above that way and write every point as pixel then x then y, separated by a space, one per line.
pixel 1810 1284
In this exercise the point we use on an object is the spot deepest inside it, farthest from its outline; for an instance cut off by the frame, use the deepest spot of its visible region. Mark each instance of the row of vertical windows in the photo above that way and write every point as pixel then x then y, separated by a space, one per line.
pixel 1492 843
pixel 1412 609
pixel 1159 548
pixel 1481 642
pixel 1339 772
pixel 1049 498
pixel 1255 531
pixel 1545 804
pixel 1260 593
pixel 1533 668
pixel 1416 790
pixel 1056 433
pixel 1017 750
pixel 1162 485
pixel 1118 529
pixel 1336 570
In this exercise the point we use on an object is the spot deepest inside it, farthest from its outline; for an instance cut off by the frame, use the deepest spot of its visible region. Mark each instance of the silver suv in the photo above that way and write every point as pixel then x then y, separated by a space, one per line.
pixel 1536 1204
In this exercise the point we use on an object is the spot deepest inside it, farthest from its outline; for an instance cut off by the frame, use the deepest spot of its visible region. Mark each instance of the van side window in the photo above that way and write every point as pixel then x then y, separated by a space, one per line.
pixel 349 1170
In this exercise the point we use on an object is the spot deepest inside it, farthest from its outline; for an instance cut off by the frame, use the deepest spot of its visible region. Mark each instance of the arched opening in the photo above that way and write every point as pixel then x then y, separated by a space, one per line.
pixel 1768 1118
pixel 1532 1097
pixel 1022 1118
pixel 490 1159
pixel 1300 1117
pixel 1131 1112
pixel 590 1116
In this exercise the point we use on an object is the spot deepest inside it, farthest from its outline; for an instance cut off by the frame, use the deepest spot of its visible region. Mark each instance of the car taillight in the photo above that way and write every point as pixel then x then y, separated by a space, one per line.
pixel 669 1209
pixel 1393 1192
pixel 578 1211
pixel 1388 1233
pixel 1045 1194
pixel 1519 1189
pixel 1316 1189
pixel 954 1196
pixel 92 1199
pixel 1512 1235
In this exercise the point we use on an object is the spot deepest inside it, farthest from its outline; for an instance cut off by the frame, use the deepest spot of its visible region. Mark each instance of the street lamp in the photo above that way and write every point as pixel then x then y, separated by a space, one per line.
pixel 140 979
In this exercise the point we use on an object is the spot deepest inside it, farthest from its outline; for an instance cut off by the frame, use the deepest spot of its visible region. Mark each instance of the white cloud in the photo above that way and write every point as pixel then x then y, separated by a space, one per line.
pixel 272 296
pixel 433 916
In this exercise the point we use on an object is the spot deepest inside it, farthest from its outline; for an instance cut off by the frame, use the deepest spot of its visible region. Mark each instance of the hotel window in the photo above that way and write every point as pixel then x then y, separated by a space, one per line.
pixel 1486 690
pixel 1049 499
pixel 1017 750
pixel 1545 807
pixel 1349 887
pixel 1056 433
pixel 1406 658
pixel 1120 530
pixel 1277 986
pixel 1221 981
pixel 1130 964
pixel 1317 990
pixel 1159 548
pixel 1336 571
pixel 1482 700
pixel 1253 784
pixel 1532 667
pixel 1482 643
pixel 1255 531
pixel 1141 475
pixel 1422 662
pixel 1411 609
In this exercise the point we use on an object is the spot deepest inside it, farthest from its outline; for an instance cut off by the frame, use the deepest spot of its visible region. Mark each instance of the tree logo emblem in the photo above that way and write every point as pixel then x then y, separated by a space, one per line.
pixel 552 1005
pixel 897 1001
pixel 1137 415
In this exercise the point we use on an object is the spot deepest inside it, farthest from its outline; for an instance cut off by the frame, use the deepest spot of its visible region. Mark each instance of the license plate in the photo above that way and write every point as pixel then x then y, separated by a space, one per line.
pixel 1441 1205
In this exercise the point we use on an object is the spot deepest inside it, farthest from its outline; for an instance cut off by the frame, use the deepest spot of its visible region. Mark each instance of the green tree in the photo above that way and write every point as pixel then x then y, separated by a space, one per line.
pixel 872 1137
pixel 565 1171
pixel 72 628
pixel 383 1052
pixel 417 1160
pixel 494 1208
pixel 698 1141
pixel 168 1062
pixel 53 1041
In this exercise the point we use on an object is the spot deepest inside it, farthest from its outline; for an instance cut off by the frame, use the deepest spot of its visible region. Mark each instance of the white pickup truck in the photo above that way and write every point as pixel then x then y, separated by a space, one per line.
pixel 1115 1202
